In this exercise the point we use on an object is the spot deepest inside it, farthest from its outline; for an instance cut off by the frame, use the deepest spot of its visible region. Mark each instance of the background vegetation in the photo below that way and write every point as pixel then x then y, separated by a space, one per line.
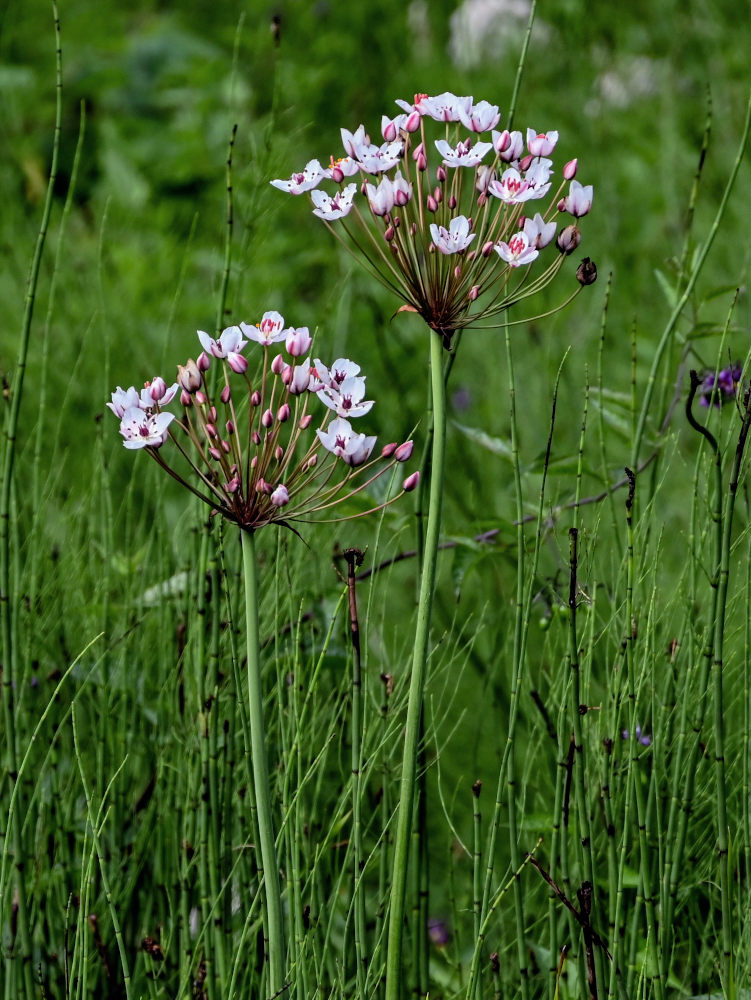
pixel 103 546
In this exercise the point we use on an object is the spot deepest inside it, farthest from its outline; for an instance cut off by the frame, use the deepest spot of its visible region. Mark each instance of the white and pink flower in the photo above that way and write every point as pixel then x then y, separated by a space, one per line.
pixel 481 117
pixel 541 143
pixel 329 209
pixel 124 399
pixel 455 239
pixel 508 145
pixel 306 180
pixel 517 251
pixel 346 399
pixel 229 345
pixel 579 199
pixel 464 154
pixel 341 440
pixel 381 198
pixel 539 232
pixel 142 429
pixel 378 159
pixel 298 341
pixel 446 107
pixel 269 331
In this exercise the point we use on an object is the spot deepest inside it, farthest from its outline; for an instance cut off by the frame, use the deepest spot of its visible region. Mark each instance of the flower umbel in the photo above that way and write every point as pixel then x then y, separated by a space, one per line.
pixel 248 448
pixel 435 197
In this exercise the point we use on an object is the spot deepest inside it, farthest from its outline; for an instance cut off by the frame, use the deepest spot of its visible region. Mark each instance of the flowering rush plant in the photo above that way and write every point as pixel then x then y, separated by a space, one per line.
pixel 255 456
pixel 457 226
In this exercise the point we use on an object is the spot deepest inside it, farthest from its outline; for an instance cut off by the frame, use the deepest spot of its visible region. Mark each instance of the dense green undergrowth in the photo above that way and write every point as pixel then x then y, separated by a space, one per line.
pixel 127 795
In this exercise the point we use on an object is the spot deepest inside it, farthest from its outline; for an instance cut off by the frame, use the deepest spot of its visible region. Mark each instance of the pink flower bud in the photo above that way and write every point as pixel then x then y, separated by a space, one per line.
pixel 458 271
pixel 411 482
pixel 337 174
pixel 215 453
pixel 413 121
pixel 418 151
pixel 568 239
pixel 298 341
pixel 569 171
pixel 312 461
pixel 237 363
pixel 503 142
pixel 561 206
pixel 212 414
pixel 288 374
pixel 481 199
pixel 189 376
pixel 487 248
pixel 225 446
pixel 413 229
pixel 473 293
pixel 233 485
pixel 262 486
pixel 200 398
pixel 526 162
pixel 422 162
pixel 389 234
pixel 254 461
pixel 277 365
pixel 280 496
pixel 211 431
pixel 204 362
pixel 255 398
pixel 432 204
pixel 255 438
pixel 441 174
pixel 364 188
pixel 225 395
pixel 389 132
pixel 157 388
pixel 452 202
pixel 279 453
pixel 397 222
pixel 230 427
pixel 388 449
pixel 306 421
pixel 404 451
pixel 185 397
pixel 267 419
pixel 282 413
pixel 471 255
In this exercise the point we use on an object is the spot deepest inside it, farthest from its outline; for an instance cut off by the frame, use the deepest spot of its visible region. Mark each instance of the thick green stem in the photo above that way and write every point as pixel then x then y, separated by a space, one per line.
pixel 417 679
pixel 261 771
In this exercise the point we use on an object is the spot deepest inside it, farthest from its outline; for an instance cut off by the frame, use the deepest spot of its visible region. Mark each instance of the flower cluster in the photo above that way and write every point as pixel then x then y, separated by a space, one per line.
pixel 718 388
pixel 451 225
pixel 253 456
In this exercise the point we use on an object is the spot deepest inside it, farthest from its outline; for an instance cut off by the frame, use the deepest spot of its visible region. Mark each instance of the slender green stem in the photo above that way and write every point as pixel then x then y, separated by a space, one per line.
pixel 354 559
pixel 6 609
pixel 261 771
pixel 417 679
pixel 719 718
pixel 681 304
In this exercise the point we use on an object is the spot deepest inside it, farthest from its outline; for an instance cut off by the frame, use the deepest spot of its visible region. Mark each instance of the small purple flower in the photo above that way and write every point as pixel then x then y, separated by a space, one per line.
pixel 642 738
pixel 720 389
pixel 438 932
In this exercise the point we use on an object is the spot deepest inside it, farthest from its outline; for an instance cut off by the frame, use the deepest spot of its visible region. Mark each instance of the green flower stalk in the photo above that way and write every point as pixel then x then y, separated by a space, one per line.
pixel 448 229
pixel 253 458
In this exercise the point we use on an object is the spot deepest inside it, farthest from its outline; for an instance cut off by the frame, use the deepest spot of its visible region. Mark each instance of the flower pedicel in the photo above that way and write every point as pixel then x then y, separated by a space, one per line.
pixel 452 225
pixel 257 460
